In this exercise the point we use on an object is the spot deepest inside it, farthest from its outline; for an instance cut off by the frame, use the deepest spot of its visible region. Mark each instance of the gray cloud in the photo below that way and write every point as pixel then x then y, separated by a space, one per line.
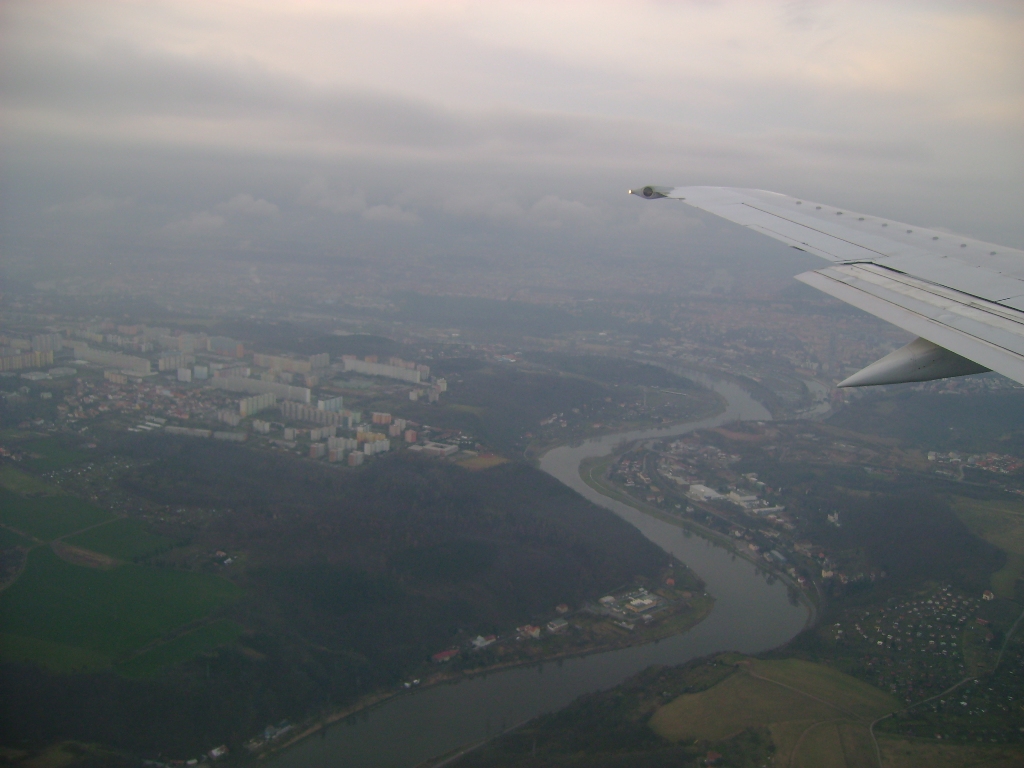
pixel 197 225
pixel 553 211
pixel 390 214
pixel 348 130
pixel 91 205
pixel 318 193
pixel 247 205
pixel 119 88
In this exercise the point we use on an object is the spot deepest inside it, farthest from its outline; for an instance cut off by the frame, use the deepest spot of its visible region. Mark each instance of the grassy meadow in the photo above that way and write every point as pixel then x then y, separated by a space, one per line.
pixel 148 663
pixel 901 753
pixel 124 539
pixel 817 716
pixel 56 657
pixel 1000 523
pixel 9 539
pixel 48 517
pixel 21 482
pixel 48 454
pixel 104 613
pixel 68 617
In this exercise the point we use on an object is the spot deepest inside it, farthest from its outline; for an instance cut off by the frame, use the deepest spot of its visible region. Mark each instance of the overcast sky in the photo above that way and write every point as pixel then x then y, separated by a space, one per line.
pixel 325 127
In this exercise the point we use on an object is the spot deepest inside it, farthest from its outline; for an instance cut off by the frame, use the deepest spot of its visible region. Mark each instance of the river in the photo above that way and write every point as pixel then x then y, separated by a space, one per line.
pixel 752 613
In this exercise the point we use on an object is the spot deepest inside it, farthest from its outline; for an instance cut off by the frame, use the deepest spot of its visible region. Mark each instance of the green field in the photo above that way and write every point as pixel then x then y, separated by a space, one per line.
pixel 10 539
pixel 56 657
pixel 817 716
pixel 20 482
pixel 48 517
pixel 124 539
pixel 902 753
pixel 106 612
pixel 183 648
pixel 52 454
pixel 848 693
pixel 1000 523
pixel 736 703
pixel 824 744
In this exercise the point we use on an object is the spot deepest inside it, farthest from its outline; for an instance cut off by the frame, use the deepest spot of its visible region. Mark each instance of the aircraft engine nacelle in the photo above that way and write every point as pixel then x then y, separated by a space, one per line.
pixel 650 192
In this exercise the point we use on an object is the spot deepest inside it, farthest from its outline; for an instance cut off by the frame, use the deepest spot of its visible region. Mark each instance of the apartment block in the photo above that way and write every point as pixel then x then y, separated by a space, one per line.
pixel 139 365
pixel 257 387
pixel 356 365
pixel 342 443
pixel 47 342
pixel 171 362
pixel 300 412
pixel 250 405
pixel 323 433
pixel 229 417
pixel 222 345
pixel 333 404
pixel 26 360
pixel 376 446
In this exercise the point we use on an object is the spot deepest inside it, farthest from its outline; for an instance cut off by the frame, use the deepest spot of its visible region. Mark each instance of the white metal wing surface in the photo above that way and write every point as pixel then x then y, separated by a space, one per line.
pixel 963 298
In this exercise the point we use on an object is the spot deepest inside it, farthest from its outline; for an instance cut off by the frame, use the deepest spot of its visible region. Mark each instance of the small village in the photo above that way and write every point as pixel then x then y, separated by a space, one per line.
pixel 934 652
pixel 633 614
pixel 917 648
pixel 988 462
pixel 696 481
pixel 677 477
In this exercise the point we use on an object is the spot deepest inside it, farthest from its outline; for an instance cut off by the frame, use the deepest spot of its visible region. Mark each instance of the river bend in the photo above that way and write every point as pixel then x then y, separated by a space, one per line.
pixel 753 612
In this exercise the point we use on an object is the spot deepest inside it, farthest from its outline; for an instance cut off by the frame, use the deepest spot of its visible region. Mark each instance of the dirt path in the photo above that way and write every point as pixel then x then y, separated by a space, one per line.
pixel 808 729
pixel 87 528
pixel 876 721
pixel 83 557
pixel 836 707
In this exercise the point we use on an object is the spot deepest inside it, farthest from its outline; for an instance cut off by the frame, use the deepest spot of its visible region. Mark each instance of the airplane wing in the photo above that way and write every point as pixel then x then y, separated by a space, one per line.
pixel 963 298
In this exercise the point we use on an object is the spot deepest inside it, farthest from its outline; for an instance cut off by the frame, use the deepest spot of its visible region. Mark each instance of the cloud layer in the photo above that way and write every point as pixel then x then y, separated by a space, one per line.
pixel 495 124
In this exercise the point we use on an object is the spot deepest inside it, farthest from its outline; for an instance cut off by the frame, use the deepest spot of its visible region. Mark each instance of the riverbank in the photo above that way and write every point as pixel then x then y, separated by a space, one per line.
pixel 675 625
pixel 752 613
pixel 535 450
pixel 700 607
pixel 592 473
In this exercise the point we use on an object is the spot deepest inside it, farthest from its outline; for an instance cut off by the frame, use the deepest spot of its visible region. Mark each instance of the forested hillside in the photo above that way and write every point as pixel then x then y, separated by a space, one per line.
pixel 351 579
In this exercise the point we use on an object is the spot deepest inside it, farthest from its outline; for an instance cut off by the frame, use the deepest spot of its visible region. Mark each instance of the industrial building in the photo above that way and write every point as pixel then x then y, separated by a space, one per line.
pixel 257 387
